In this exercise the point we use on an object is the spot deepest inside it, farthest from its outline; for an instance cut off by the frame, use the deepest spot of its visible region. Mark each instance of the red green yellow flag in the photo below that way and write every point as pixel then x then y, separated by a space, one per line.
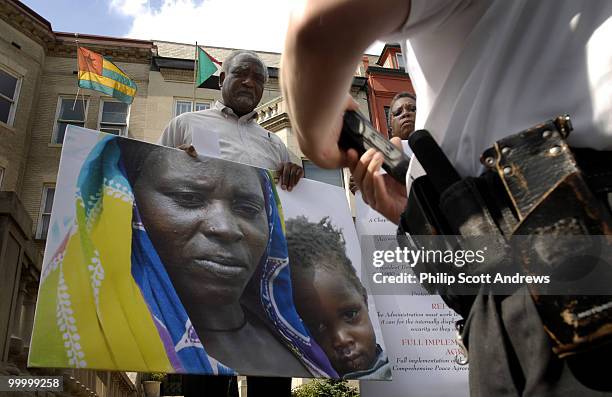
pixel 97 73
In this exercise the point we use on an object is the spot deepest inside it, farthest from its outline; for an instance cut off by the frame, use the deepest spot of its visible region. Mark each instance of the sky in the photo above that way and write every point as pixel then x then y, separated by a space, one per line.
pixel 257 24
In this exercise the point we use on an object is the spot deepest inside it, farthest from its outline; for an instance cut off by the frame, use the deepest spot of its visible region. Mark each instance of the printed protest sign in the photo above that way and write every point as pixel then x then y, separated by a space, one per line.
pixel 157 261
pixel 418 328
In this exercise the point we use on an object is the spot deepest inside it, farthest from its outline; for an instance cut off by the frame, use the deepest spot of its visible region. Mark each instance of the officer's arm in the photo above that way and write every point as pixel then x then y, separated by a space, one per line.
pixel 323 46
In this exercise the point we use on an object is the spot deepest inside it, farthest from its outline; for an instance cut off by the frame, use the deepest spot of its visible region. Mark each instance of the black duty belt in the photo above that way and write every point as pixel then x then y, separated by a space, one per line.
pixel 538 203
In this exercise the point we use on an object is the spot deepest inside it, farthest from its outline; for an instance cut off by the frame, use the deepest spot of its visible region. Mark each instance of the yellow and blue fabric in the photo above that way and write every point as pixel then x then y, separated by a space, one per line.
pixel 97 73
pixel 107 302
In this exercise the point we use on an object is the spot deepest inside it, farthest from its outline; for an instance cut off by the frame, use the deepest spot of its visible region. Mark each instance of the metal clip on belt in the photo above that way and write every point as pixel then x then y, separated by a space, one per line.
pixel 461 359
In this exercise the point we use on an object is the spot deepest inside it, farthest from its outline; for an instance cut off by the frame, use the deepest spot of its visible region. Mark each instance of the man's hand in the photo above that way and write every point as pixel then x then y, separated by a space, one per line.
pixel 353 186
pixel 189 149
pixel 379 191
pixel 289 175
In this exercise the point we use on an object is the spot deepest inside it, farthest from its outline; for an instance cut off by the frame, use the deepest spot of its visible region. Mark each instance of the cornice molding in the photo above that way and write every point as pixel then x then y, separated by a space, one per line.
pixel 21 20
pixel 60 44
pixel 277 123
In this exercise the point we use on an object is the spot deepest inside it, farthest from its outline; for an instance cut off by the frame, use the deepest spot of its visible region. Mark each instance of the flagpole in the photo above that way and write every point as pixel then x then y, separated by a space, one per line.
pixel 195 80
pixel 76 40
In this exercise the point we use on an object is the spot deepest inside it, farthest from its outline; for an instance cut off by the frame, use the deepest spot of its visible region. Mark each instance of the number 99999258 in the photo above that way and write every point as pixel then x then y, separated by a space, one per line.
pixel 31 383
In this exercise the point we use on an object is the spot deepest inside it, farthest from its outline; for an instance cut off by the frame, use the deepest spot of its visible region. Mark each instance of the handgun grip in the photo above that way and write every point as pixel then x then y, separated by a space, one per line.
pixel 357 133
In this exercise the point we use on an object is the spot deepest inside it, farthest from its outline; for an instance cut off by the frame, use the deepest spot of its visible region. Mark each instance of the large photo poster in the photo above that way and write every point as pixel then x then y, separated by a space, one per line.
pixel 157 261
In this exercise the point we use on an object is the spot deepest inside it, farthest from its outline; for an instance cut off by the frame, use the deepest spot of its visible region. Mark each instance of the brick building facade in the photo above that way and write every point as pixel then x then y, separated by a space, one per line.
pixel 386 77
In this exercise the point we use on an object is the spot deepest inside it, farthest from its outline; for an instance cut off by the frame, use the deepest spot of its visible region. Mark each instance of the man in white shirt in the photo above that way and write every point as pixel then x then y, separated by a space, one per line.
pixel 482 70
pixel 233 120
pixel 241 139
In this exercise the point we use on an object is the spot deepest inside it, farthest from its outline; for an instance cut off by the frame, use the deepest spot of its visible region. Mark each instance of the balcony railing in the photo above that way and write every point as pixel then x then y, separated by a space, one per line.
pixel 270 109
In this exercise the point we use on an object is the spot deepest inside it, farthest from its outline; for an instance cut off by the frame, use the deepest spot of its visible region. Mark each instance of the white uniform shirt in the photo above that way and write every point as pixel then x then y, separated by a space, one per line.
pixel 486 69
pixel 241 139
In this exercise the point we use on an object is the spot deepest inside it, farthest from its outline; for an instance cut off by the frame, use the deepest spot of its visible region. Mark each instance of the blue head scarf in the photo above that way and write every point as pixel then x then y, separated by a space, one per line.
pixel 271 281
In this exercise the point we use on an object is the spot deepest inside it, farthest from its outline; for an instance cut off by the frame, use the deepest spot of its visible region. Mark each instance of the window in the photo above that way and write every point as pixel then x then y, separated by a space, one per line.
pixel 387 110
pixel 9 92
pixel 67 115
pixel 400 60
pixel 333 177
pixel 1 176
pixel 113 117
pixel 45 212
pixel 183 106
pixel 202 106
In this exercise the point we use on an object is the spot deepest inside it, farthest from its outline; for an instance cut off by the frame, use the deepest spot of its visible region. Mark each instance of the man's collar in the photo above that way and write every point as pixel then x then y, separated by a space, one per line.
pixel 229 111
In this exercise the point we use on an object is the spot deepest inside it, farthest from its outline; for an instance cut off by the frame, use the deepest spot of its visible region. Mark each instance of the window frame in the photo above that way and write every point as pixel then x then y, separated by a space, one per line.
pixel 202 103
pixel 176 102
pixel 122 127
pixel 41 213
pixel 192 107
pixel 2 173
pixel 399 55
pixel 387 112
pixel 56 121
pixel 15 100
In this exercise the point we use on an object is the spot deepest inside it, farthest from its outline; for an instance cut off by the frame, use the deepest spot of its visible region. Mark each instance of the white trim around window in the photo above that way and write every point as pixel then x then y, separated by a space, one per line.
pixel 55 139
pixel 113 127
pixel 44 213
pixel 186 105
pixel 2 172
pixel 10 116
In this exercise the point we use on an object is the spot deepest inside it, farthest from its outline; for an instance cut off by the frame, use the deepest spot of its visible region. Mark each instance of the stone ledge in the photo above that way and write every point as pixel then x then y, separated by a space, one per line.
pixel 11 206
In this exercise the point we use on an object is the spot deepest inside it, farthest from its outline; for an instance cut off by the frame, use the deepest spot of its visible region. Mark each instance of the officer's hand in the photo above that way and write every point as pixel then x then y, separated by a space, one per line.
pixel 289 175
pixel 322 147
pixel 379 191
